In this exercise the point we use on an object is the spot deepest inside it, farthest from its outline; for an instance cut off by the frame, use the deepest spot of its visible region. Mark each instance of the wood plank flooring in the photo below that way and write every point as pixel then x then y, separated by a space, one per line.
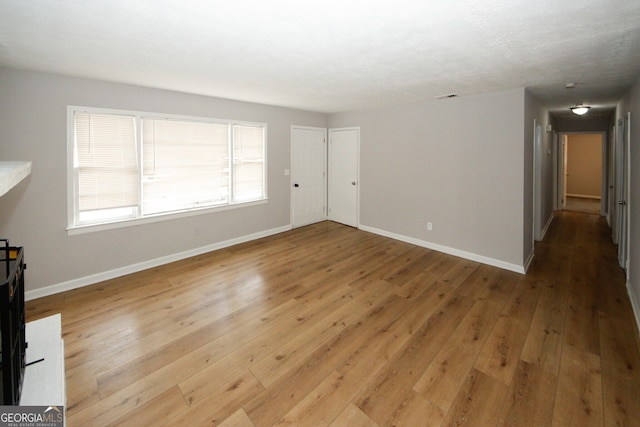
pixel 327 325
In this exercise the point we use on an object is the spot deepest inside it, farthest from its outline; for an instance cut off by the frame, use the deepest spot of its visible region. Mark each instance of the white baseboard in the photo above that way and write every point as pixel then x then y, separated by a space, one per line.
pixel 584 196
pixel 134 268
pixel 529 260
pixel 447 250
pixel 546 227
pixel 635 304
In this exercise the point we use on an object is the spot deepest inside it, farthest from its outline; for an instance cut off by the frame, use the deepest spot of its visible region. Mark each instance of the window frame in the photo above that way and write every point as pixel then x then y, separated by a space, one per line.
pixel 73 224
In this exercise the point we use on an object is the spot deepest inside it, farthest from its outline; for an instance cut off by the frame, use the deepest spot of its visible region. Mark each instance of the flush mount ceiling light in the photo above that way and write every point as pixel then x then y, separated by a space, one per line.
pixel 580 109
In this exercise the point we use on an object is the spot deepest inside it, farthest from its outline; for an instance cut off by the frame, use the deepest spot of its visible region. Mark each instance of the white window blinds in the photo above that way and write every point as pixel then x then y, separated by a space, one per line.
pixel 130 165
pixel 106 161
pixel 186 165
pixel 248 163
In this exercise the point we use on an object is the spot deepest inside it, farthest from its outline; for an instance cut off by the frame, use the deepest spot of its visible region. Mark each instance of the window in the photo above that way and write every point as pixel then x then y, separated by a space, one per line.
pixel 134 165
pixel 185 165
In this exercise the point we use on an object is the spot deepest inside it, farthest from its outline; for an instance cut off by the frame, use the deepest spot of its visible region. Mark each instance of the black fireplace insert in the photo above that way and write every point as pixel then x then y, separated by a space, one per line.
pixel 12 322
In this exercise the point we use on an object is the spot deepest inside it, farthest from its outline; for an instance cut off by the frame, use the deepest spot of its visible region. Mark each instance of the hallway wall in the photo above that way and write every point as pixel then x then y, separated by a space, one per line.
pixel 631 102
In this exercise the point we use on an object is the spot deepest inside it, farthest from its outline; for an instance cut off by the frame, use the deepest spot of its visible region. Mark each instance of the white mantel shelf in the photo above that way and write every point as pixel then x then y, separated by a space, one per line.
pixel 11 173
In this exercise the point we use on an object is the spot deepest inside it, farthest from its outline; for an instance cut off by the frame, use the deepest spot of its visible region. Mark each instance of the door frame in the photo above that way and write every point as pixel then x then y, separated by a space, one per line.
pixel 559 168
pixel 627 265
pixel 290 172
pixel 564 166
pixel 611 179
pixel 560 177
pixel 622 191
pixel 537 180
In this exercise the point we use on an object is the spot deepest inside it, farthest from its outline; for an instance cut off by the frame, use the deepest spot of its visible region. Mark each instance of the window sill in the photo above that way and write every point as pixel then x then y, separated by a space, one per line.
pixel 92 228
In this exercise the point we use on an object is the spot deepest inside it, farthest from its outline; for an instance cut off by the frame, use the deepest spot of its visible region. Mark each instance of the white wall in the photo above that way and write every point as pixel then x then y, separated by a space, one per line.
pixel 33 111
pixel 631 102
pixel 457 163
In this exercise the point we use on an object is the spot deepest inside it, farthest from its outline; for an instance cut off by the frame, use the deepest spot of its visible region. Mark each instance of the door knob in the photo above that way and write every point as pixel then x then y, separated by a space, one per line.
pixel 353 183
pixel 296 185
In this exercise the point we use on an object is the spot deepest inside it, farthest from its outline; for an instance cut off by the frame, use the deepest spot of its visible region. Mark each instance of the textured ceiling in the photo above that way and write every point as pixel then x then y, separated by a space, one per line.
pixel 335 55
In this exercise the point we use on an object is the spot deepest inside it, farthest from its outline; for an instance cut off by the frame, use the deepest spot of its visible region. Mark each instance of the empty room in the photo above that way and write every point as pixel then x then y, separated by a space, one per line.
pixel 320 214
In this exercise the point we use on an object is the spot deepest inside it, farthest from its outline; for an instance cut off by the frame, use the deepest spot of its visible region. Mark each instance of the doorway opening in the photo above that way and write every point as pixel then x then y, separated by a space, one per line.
pixel 582 184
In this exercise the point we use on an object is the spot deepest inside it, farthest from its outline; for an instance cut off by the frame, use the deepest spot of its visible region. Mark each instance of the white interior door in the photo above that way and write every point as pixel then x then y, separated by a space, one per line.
pixel 604 178
pixel 344 149
pixel 622 173
pixel 556 170
pixel 561 166
pixel 308 175
pixel 537 180
pixel 611 198
pixel 565 174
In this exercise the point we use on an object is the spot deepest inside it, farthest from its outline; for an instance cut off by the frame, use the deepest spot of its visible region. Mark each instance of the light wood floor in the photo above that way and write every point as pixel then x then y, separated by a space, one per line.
pixel 329 325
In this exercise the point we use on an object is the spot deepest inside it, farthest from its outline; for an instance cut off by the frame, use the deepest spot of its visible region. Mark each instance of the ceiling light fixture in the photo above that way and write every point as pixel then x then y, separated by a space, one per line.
pixel 580 109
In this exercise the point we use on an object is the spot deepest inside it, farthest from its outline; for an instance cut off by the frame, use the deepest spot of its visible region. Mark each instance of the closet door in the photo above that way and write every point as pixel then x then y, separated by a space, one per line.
pixel 344 152
pixel 308 175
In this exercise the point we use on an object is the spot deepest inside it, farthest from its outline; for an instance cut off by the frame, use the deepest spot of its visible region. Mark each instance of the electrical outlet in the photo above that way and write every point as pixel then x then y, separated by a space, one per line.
pixel 429 226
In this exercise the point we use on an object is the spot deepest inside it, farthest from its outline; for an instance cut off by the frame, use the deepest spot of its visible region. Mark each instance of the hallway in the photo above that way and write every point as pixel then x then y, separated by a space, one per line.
pixel 600 357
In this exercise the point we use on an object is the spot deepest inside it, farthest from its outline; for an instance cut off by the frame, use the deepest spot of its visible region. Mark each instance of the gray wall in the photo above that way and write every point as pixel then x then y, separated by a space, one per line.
pixel 33 111
pixel 584 123
pixel 631 102
pixel 457 163
pixel 463 164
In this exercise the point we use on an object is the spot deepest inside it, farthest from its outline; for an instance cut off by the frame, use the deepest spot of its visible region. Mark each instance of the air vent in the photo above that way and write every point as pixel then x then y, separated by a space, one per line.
pixel 449 95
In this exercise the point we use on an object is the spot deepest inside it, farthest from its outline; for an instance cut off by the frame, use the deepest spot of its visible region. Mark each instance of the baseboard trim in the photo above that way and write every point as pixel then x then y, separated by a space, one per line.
pixel 134 268
pixel 529 260
pixel 447 250
pixel 546 227
pixel 584 196
pixel 635 305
